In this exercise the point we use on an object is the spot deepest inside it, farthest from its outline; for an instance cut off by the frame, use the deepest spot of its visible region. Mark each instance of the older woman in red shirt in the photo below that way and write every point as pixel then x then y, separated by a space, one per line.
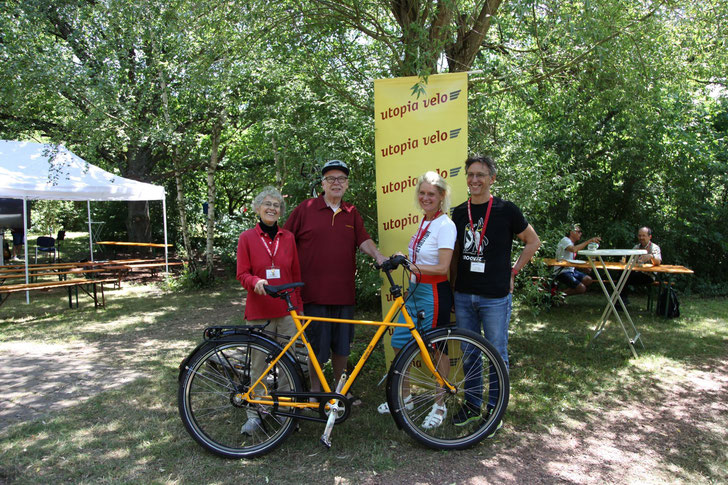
pixel 267 255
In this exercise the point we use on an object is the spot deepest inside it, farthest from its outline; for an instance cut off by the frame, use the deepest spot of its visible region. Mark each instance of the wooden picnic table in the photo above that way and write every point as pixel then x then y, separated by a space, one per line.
pixel 73 271
pixel 80 264
pixel 662 272
pixel 620 266
pixel 151 266
pixel 132 244
pixel 89 286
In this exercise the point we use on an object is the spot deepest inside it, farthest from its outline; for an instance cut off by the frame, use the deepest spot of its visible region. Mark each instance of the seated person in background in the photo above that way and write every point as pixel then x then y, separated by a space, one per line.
pixel 653 257
pixel 567 248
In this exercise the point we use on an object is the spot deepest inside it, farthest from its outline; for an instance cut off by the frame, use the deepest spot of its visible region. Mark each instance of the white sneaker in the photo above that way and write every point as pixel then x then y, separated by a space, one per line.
pixel 408 405
pixel 251 425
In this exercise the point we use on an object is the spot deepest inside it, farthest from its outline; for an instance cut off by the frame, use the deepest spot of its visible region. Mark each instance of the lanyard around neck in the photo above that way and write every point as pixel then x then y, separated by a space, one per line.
pixel 485 224
pixel 421 233
pixel 267 248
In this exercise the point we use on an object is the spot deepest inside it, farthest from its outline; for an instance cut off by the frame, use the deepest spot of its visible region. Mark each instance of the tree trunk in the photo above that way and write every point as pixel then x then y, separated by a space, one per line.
pixel 177 176
pixel 471 31
pixel 211 168
pixel 183 214
pixel 138 225
pixel 137 222
pixel 280 169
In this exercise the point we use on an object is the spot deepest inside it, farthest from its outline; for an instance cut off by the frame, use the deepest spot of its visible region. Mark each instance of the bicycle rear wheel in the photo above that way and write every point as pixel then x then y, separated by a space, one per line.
pixel 472 361
pixel 213 415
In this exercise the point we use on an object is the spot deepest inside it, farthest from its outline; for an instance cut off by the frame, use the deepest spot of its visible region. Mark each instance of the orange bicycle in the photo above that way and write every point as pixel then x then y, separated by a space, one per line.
pixel 243 371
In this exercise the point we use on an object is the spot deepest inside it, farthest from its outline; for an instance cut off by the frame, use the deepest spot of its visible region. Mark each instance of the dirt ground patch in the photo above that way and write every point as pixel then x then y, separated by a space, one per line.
pixel 38 379
pixel 634 443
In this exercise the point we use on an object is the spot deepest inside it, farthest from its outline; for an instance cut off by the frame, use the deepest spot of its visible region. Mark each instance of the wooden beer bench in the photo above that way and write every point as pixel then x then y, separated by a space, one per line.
pixel 125 268
pixel 88 286
pixel 62 275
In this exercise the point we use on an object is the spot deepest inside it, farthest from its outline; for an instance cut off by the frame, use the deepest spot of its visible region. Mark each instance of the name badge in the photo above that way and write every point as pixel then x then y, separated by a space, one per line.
pixel 477 267
pixel 272 273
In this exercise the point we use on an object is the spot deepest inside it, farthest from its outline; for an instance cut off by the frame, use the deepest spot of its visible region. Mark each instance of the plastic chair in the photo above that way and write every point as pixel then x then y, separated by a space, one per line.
pixel 45 244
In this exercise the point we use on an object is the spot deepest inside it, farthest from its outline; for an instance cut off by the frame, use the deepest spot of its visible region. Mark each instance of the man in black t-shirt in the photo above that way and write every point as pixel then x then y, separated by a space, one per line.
pixel 483 274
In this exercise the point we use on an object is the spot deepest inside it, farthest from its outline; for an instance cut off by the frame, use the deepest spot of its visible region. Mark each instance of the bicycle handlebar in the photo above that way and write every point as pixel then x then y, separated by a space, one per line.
pixel 393 263
pixel 389 265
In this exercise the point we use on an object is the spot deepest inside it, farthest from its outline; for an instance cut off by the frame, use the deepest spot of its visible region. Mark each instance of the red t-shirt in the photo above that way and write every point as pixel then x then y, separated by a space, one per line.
pixel 253 261
pixel 327 243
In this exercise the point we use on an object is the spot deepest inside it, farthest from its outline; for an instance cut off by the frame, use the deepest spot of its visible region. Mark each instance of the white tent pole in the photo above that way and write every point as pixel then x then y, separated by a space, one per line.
pixel 90 233
pixel 25 246
pixel 164 215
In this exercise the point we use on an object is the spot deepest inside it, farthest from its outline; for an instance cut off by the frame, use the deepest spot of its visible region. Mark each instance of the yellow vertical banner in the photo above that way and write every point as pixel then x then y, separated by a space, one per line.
pixel 414 134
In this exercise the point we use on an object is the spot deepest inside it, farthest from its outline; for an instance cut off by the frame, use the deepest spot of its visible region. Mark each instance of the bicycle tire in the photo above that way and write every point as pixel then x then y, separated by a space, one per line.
pixel 408 372
pixel 207 404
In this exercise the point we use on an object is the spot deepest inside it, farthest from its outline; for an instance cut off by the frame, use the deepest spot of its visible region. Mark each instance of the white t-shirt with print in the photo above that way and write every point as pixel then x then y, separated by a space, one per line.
pixel 439 234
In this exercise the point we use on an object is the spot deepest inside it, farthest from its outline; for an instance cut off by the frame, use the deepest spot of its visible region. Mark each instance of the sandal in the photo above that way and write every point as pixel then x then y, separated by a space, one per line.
pixel 435 419
pixel 355 400
pixel 408 405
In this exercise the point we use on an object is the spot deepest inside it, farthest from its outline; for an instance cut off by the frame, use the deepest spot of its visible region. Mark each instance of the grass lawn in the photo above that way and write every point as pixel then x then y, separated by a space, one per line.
pixel 581 410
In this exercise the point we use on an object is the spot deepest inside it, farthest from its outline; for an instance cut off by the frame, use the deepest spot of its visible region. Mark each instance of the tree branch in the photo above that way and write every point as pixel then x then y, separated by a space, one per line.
pixel 578 58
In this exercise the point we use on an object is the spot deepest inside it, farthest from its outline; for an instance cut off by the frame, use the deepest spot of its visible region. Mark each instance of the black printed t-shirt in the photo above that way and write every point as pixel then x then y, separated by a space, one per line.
pixel 506 220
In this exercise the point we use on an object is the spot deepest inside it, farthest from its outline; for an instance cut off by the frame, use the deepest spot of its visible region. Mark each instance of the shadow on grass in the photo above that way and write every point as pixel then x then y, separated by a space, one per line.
pixel 562 377
pixel 581 410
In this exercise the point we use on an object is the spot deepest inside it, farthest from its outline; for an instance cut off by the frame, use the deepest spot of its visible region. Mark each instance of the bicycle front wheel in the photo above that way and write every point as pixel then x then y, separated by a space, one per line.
pixel 212 413
pixel 473 366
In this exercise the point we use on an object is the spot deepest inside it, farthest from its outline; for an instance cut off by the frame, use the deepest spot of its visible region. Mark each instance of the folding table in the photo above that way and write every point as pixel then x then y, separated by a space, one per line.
pixel 596 260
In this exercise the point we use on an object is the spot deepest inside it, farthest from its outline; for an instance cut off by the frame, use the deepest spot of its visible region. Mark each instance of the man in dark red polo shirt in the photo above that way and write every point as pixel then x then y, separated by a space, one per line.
pixel 328 232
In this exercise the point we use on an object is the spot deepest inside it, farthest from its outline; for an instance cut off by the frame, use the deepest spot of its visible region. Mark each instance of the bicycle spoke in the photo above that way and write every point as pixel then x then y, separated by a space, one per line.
pixel 468 373
pixel 209 408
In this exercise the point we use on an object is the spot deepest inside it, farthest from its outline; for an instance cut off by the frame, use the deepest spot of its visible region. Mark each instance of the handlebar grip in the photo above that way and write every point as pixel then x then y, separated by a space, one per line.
pixel 392 263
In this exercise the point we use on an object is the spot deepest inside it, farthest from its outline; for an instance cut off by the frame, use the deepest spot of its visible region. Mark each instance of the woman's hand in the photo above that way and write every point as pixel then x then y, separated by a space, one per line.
pixel 259 287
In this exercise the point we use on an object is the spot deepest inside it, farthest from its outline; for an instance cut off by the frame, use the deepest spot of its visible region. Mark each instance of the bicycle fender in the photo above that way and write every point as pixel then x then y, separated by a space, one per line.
pixel 236 337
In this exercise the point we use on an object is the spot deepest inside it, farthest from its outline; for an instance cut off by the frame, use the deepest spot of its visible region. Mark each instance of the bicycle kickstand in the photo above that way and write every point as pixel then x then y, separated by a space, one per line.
pixel 334 410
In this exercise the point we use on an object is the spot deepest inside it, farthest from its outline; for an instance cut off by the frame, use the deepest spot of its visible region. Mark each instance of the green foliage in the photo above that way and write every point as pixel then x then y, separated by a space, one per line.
pixel 227 232
pixel 368 284
pixel 600 120
pixel 533 287
pixel 190 280
pixel 50 216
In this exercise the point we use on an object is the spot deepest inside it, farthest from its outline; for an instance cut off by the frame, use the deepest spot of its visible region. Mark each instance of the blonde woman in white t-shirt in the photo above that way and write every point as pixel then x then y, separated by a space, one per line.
pixel 430 249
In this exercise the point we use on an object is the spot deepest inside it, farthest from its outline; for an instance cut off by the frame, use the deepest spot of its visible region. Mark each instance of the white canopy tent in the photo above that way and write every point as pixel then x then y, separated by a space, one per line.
pixel 31 170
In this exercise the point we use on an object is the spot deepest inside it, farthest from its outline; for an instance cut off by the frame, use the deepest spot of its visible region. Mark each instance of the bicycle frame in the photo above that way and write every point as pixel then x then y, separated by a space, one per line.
pixel 302 322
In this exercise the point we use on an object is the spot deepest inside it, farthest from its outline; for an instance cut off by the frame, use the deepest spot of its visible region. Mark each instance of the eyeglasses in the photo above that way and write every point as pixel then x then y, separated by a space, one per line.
pixel 269 204
pixel 340 179
pixel 479 175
